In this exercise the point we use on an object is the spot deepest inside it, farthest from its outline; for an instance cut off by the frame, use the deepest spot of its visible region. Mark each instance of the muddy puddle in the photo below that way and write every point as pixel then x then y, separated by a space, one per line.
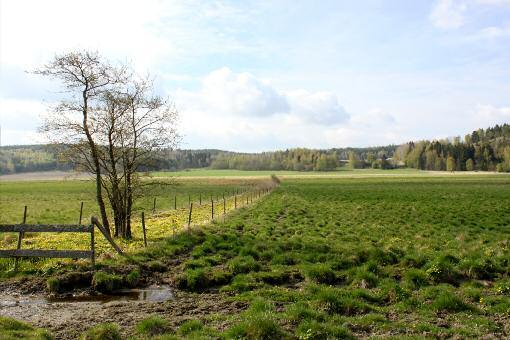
pixel 68 316
pixel 148 294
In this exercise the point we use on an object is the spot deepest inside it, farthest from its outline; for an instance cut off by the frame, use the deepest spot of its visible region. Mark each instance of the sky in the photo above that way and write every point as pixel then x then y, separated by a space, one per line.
pixel 267 75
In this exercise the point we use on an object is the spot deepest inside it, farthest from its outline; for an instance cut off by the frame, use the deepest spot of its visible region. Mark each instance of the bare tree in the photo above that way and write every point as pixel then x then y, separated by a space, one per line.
pixel 110 124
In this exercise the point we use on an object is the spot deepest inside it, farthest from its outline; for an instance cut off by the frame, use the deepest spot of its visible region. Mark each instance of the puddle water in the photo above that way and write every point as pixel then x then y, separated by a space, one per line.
pixel 149 294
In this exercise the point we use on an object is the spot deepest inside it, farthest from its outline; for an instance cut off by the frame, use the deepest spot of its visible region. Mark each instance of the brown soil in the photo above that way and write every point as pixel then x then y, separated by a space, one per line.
pixel 69 320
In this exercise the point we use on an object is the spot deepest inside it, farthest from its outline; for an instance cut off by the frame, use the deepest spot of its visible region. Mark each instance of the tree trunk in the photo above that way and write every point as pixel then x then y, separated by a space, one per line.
pixel 95 159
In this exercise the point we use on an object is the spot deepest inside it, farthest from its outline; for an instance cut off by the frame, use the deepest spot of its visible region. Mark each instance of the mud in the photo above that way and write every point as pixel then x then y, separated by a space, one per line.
pixel 69 316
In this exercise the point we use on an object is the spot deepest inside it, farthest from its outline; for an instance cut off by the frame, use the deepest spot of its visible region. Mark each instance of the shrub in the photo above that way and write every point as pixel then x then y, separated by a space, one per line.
pixel 218 277
pixel 447 301
pixel 392 292
pixel 68 281
pixel 442 270
pixel 132 279
pixel 106 283
pixel 193 279
pixel 333 301
pixel 415 278
pixel 259 326
pixel 365 279
pixel 243 264
pixel 478 268
pixel 153 325
pixel 321 273
pixel 190 326
pixel 104 331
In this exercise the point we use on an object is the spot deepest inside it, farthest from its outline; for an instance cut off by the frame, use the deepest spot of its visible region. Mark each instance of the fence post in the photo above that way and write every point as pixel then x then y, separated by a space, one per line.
pixel 224 206
pixel 200 199
pixel 154 206
pixel 92 246
pixel 81 213
pixel 175 202
pixel 189 199
pixel 189 217
pixel 20 237
pixel 143 228
pixel 212 209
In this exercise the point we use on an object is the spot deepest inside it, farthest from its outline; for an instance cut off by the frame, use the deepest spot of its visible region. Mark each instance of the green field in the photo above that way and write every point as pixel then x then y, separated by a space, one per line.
pixel 283 173
pixel 339 257
pixel 414 256
pixel 58 202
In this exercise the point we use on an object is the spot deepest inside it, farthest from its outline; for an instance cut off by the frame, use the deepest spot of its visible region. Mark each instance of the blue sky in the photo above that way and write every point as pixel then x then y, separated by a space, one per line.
pixel 254 76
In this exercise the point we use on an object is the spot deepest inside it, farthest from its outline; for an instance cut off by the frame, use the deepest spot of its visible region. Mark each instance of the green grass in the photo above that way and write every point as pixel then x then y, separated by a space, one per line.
pixel 51 202
pixel 409 256
pixel 344 171
pixel 11 329
pixel 334 256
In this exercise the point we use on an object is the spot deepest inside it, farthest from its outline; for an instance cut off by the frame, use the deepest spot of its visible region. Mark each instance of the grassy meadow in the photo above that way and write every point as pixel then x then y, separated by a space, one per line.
pixel 327 257
pixel 51 202
pixel 335 258
pixel 342 171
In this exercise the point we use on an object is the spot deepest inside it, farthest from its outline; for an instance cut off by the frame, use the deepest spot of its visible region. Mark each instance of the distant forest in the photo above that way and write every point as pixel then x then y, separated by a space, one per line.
pixel 482 150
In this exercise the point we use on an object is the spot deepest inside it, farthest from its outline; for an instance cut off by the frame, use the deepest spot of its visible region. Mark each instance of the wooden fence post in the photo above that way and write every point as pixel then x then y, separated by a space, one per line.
pixel 224 206
pixel 212 209
pixel 189 217
pixel 20 237
pixel 143 228
pixel 153 206
pixel 81 213
pixel 92 246
pixel 175 202
pixel 200 199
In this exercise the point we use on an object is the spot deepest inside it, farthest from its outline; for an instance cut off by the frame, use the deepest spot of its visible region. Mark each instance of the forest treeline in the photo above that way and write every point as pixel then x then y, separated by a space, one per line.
pixel 482 150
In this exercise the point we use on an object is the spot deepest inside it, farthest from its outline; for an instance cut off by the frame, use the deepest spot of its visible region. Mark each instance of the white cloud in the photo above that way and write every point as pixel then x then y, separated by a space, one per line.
pixel 376 117
pixel 240 94
pixel 448 14
pixel 493 2
pixel 231 112
pixel 317 107
pixel 20 119
pixel 493 32
pixel 32 31
pixel 487 115
pixel 226 93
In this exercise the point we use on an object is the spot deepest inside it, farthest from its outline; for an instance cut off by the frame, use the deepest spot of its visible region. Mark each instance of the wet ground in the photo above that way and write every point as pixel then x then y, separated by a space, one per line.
pixel 68 316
